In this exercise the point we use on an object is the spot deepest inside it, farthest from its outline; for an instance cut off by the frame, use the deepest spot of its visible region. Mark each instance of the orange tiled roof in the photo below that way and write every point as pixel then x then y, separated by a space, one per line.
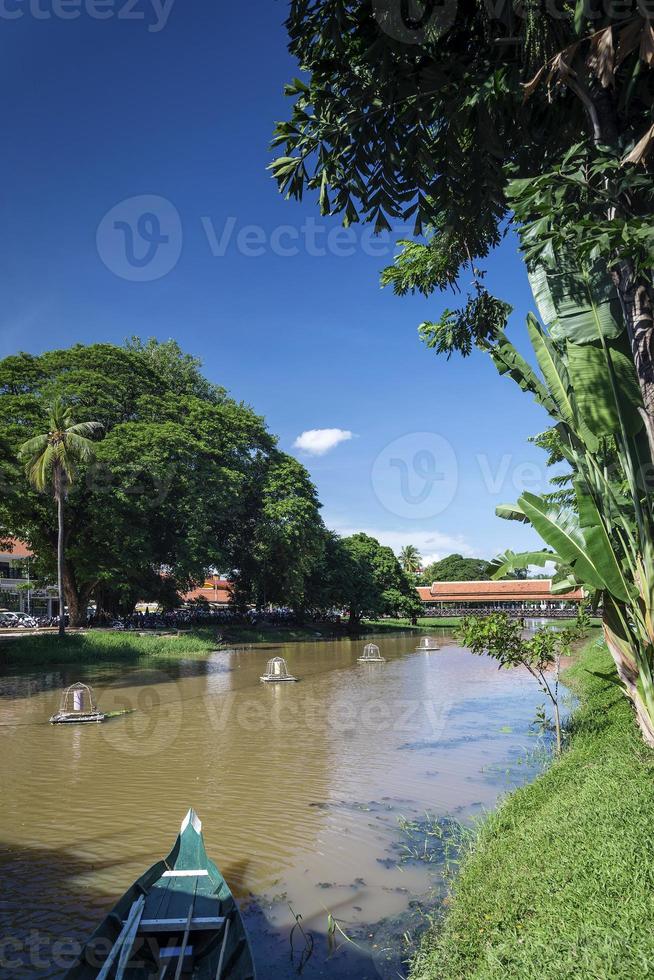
pixel 216 590
pixel 17 549
pixel 511 591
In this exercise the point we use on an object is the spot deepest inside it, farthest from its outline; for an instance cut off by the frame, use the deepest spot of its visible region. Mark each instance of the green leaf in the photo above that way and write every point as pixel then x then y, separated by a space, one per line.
pixel 511 512
pixel 557 377
pixel 324 196
pixel 511 562
pixel 580 16
pixel 576 306
pixel 507 360
pixel 564 583
pixel 593 563
pixel 591 380
pixel 596 535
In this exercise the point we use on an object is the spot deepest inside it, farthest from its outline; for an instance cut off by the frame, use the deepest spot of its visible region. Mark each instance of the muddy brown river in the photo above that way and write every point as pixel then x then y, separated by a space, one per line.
pixel 304 791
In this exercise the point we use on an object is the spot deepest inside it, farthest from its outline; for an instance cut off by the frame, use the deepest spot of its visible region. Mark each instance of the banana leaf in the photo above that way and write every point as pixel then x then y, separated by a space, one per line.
pixel 592 563
pixel 564 583
pixel 576 305
pixel 511 512
pixel 507 360
pixel 510 561
pixel 598 540
pixel 558 382
pixel 592 383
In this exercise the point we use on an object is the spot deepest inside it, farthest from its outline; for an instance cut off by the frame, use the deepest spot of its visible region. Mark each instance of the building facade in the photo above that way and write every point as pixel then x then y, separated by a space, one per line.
pixel 520 596
pixel 17 591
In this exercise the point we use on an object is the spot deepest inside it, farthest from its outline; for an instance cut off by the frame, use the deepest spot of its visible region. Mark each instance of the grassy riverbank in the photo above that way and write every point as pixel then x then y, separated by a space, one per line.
pixel 98 646
pixel 405 624
pixel 560 881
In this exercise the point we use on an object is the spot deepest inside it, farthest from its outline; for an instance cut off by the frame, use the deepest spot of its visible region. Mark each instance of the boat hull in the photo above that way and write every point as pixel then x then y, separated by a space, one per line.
pixel 182 909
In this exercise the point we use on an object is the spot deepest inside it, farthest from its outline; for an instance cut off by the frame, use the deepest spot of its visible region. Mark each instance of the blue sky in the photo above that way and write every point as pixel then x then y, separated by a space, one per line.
pixel 168 111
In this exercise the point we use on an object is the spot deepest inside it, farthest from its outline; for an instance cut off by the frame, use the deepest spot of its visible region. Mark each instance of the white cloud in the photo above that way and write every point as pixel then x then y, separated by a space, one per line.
pixel 317 442
pixel 549 568
pixel 432 545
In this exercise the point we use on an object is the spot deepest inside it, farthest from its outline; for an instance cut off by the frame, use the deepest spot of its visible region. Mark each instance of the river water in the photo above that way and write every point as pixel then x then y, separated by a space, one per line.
pixel 303 790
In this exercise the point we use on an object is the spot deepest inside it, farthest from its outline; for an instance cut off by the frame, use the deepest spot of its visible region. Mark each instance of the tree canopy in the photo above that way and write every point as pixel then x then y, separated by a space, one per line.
pixel 368 580
pixel 456 568
pixel 446 120
pixel 182 473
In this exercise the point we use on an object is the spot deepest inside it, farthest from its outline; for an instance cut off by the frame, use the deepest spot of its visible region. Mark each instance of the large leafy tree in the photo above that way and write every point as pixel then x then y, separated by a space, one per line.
pixel 51 462
pixel 283 539
pixel 368 580
pixel 179 473
pixel 429 118
pixel 456 568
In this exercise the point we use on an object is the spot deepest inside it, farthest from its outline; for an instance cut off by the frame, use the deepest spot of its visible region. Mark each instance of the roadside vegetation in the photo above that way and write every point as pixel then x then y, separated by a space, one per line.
pixel 102 646
pixel 420 624
pixel 553 886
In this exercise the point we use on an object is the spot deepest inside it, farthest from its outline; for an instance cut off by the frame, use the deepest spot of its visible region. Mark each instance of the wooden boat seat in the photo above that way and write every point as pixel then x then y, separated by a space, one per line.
pixel 171 952
pixel 197 923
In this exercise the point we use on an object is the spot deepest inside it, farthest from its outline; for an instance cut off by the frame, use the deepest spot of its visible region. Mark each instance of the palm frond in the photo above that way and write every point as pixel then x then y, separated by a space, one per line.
pixel 84 428
pixel 33 446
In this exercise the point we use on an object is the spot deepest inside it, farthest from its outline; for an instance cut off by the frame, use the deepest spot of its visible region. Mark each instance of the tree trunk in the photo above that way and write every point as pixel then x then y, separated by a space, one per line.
pixel 76 598
pixel 354 620
pixel 635 297
pixel 636 303
pixel 60 562
pixel 557 727
pixel 628 674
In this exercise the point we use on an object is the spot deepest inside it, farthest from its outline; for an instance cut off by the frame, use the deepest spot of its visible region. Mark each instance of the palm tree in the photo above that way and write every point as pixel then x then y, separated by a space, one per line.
pixel 53 458
pixel 410 559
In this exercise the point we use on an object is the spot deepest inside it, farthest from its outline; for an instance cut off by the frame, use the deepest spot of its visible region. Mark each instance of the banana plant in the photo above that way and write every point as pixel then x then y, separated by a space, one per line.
pixel 604 542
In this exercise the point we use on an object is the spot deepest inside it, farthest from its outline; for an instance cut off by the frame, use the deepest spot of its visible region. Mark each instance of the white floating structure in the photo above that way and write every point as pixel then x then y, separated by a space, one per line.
pixel 277 671
pixel 371 655
pixel 428 643
pixel 77 705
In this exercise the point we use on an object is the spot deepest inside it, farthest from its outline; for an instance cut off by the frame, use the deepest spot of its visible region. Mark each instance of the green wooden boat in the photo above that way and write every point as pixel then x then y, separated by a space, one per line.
pixel 177 920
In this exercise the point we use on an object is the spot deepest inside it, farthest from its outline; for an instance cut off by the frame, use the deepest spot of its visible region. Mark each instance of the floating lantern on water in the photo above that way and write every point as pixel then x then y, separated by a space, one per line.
pixel 277 671
pixel 77 705
pixel 370 654
pixel 428 643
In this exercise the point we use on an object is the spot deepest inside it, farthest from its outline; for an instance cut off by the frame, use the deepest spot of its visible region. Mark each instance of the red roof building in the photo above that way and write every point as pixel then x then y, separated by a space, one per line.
pixel 16 591
pixel 11 548
pixel 216 591
pixel 530 592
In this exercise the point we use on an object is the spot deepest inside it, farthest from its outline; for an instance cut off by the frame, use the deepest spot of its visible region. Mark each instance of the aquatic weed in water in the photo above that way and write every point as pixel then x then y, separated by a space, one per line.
pixel 307 952
pixel 434 840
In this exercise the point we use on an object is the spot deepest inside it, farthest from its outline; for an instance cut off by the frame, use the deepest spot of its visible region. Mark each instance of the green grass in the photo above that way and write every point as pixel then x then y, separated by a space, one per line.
pixel 559 883
pixel 426 621
pixel 423 623
pixel 281 634
pixel 98 646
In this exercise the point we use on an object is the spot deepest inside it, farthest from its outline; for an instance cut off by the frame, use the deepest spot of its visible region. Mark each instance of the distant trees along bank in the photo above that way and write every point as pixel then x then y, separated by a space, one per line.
pixel 181 479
